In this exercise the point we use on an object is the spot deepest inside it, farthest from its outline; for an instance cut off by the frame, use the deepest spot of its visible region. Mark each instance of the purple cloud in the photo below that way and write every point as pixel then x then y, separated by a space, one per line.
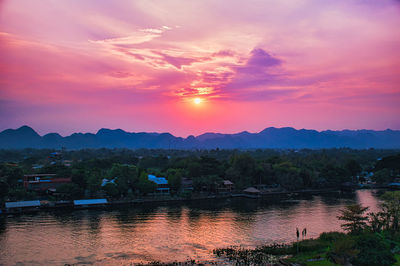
pixel 177 61
pixel 262 59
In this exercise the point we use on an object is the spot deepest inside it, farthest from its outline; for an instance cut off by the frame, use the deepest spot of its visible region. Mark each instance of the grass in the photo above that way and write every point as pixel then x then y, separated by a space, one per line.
pixel 397 256
pixel 320 263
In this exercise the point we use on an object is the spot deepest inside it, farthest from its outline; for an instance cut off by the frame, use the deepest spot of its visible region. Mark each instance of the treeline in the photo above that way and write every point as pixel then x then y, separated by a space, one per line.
pixel 287 169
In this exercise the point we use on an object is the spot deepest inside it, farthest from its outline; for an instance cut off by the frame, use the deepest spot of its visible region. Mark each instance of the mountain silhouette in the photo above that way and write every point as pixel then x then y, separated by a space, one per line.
pixel 271 137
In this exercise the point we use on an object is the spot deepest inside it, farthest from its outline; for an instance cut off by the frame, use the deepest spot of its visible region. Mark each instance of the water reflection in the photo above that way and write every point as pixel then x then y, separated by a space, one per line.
pixel 165 233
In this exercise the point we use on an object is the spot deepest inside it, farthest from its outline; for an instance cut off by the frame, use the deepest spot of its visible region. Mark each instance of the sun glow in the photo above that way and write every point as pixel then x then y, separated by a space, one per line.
pixel 197 100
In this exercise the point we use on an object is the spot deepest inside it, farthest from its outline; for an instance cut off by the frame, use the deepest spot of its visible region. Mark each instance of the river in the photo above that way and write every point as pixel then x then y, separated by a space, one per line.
pixel 173 232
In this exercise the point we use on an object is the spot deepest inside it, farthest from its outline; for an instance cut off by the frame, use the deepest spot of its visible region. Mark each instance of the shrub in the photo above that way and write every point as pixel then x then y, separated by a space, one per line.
pixel 343 251
pixel 331 236
pixel 373 251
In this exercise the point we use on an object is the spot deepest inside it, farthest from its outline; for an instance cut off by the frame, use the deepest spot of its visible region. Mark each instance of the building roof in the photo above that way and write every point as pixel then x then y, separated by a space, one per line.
pixel 251 190
pixel 106 181
pixel 394 184
pixel 21 204
pixel 227 182
pixel 158 180
pixel 90 202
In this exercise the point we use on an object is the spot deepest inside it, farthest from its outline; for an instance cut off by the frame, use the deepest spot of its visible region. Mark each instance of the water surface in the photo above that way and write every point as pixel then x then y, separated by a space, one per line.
pixel 165 233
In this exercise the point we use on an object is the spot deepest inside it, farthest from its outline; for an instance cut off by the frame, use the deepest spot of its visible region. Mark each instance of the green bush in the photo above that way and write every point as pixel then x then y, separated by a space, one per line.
pixel 331 236
pixel 312 245
pixel 343 250
pixel 373 251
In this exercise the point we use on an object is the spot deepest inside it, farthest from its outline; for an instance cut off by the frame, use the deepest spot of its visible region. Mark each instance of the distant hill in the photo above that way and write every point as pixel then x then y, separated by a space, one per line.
pixel 287 137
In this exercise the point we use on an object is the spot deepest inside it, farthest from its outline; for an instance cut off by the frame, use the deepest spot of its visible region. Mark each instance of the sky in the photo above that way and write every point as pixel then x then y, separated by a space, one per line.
pixel 189 67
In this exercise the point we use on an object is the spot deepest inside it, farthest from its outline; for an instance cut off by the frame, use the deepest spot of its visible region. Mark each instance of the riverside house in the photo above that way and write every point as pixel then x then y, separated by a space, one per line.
pixel 162 184
pixel 44 182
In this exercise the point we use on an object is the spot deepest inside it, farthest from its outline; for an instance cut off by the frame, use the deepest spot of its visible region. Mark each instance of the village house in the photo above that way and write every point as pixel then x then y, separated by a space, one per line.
pixel 44 182
pixel 226 186
pixel 186 184
pixel 162 183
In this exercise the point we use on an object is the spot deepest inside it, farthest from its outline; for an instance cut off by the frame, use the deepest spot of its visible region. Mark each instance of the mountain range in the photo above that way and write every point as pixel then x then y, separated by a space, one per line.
pixel 271 137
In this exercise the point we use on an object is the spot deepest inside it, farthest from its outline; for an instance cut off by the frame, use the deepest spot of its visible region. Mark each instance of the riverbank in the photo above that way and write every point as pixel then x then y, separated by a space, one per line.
pixel 107 203
pixel 329 249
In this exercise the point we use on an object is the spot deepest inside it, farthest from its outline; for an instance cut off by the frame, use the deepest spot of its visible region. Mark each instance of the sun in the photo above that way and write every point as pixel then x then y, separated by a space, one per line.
pixel 197 100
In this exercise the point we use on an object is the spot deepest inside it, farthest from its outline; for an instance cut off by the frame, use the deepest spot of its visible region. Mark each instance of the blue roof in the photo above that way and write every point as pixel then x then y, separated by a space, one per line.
pixel 21 204
pixel 106 181
pixel 394 184
pixel 158 180
pixel 90 202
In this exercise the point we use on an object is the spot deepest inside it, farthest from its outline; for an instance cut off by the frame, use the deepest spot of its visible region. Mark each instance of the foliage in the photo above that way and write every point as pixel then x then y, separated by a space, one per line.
pixel 285 169
pixel 175 176
pixel 354 217
pixel 391 210
pixel 71 191
pixel 11 174
pixel 353 167
pixel 343 250
pixel 144 185
pixel 4 188
pixel 373 250
pixel 126 177
pixel 383 176
pixel 391 162
pixel 111 190
pixel 331 236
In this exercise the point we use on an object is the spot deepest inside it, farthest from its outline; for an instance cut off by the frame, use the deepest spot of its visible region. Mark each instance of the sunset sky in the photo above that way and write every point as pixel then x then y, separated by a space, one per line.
pixel 189 67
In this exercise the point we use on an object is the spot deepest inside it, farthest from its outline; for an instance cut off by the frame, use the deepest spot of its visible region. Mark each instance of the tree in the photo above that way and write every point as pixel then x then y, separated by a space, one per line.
pixel 354 217
pixel 242 170
pixel 126 176
pixel 111 190
pixel 3 190
pixel 72 191
pixel 288 176
pixel 11 174
pixel 334 175
pixel 373 251
pixel 391 210
pixel 94 182
pixel 79 177
pixel 343 250
pixel 382 176
pixel 353 167
pixel 175 178
pixel 144 185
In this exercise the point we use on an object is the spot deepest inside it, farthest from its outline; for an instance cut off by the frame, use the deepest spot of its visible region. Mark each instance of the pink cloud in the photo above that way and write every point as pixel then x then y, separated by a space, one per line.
pixel 304 64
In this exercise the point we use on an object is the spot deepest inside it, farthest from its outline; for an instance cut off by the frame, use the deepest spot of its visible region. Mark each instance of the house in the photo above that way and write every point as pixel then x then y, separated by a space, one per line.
pixel 226 186
pixel 186 184
pixel 107 181
pixel 162 183
pixel 261 187
pixel 251 191
pixel 67 163
pixel 394 186
pixel 44 182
